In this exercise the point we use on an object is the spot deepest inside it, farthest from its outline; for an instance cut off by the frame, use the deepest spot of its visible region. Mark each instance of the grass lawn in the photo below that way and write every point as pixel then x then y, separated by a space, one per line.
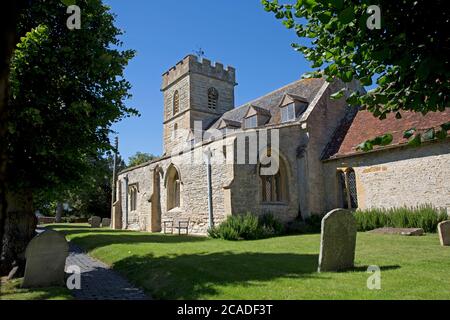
pixel 172 267
pixel 11 290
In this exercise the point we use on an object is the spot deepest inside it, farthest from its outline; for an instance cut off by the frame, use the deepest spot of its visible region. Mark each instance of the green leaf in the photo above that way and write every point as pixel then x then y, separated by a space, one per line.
pixel 366 81
pixel 347 76
pixel 347 15
pixel 446 126
pixel 441 134
pixel 337 95
pixel 353 98
pixel 409 133
pixel 365 146
pixel 386 139
pixel 416 141
pixel 69 2
pixel 325 17
pixel 338 4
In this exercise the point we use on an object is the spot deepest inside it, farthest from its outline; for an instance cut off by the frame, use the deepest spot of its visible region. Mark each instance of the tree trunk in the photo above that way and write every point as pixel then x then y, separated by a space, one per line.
pixel 9 13
pixel 20 228
pixel 59 212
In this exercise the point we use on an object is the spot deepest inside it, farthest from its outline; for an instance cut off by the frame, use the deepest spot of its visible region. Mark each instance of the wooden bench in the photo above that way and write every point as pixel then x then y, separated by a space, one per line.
pixel 180 224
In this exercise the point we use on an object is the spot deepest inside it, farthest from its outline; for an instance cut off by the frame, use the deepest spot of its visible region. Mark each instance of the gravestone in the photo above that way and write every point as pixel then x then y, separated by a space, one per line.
pixel 95 222
pixel 106 223
pixel 338 241
pixel 45 260
pixel 413 232
pixel 444 233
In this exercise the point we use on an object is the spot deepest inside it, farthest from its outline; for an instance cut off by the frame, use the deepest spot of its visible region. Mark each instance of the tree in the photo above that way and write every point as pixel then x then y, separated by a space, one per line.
pixel 140 158
pixel 9 14
pixel 409 54
pixel 67 89
pixel 93 197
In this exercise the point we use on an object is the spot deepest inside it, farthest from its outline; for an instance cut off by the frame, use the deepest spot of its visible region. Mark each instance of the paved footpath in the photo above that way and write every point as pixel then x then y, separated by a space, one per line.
pixel 98 281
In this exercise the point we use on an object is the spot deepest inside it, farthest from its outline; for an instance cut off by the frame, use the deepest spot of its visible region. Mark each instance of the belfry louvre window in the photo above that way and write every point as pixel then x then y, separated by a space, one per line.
pixel 213 97
pixel 347 186
pixel 176 102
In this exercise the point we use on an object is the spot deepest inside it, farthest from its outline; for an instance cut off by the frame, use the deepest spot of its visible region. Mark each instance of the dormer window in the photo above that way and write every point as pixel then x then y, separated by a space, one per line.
pixel 288 113
pixel 256 117
pixel 291 107
pixel 227 126
pixel 213 97
pixel 251 122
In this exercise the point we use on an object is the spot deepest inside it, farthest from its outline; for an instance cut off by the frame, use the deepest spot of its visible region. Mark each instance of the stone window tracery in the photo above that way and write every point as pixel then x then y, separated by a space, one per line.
pixel 274 188
pixel 133 191
pixel 347 186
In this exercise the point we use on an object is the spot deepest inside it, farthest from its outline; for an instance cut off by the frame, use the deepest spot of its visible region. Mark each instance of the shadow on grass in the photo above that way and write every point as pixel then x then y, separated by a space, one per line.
pixel 365 268
pixel 194 276
pixel 91 239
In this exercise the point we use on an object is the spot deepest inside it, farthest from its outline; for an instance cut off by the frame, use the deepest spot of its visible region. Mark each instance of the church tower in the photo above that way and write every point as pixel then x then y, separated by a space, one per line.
pixel 195 91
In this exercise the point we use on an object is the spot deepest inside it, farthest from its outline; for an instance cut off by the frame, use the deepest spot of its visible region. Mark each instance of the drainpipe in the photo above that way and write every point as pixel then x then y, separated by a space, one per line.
pixel 207 156
pixel 114 180
pixel 126 202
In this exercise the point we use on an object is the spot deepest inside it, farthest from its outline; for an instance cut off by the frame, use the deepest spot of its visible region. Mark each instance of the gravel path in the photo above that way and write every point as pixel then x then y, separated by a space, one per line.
pixel 98 281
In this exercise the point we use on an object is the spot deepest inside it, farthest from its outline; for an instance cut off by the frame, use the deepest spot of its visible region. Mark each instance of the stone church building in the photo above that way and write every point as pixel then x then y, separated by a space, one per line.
pixel 218 158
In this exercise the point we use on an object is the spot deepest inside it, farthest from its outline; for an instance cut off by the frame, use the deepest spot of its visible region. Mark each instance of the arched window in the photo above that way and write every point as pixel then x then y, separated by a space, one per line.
pixel 274 187
pixel 213 97
pixel 173 188
pixel 347 186
pixel 133 191
pixel 175 130
pixel 176 102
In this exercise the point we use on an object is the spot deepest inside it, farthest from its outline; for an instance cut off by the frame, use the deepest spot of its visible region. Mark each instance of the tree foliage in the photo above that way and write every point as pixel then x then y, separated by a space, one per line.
pixel 140 158
pixel 68 88
pixel 409 55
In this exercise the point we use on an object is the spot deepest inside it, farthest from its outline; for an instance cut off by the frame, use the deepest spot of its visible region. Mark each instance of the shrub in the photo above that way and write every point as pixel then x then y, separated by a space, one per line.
pixel 425 216
pixel 247 227
pixel 308 226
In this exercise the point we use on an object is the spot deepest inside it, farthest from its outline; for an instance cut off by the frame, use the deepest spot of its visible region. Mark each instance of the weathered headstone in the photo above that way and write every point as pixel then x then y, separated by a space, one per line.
pixel 95 222
pixel 45 260
pixel 106 223
pixel 338 241
pixel 444 233
pixel 413 232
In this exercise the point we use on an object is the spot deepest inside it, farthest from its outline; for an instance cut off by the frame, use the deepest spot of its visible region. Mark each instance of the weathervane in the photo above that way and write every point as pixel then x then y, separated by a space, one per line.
pixel 200 53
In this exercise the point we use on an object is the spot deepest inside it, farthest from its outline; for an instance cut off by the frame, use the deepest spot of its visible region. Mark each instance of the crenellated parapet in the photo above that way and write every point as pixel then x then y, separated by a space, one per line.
pixel 191 64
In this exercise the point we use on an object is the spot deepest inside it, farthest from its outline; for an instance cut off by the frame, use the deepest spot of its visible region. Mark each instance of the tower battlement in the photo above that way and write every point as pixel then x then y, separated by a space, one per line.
pixel 191 64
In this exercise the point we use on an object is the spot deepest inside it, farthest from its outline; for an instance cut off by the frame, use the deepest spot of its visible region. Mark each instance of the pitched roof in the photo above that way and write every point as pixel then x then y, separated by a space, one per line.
pixel 306 88
pixel 259 110
pixel 362 126
pixel 228 123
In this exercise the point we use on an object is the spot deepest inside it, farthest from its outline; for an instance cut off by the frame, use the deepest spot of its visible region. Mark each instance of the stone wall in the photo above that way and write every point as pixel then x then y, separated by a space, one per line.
pixel 246 189
pixel 396 177
pixel 323 117
pixel 194 199
pixel 192 79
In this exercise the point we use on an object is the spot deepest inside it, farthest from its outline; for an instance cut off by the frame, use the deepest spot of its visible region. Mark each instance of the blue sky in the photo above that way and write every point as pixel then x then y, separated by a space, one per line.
pixel 235 32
